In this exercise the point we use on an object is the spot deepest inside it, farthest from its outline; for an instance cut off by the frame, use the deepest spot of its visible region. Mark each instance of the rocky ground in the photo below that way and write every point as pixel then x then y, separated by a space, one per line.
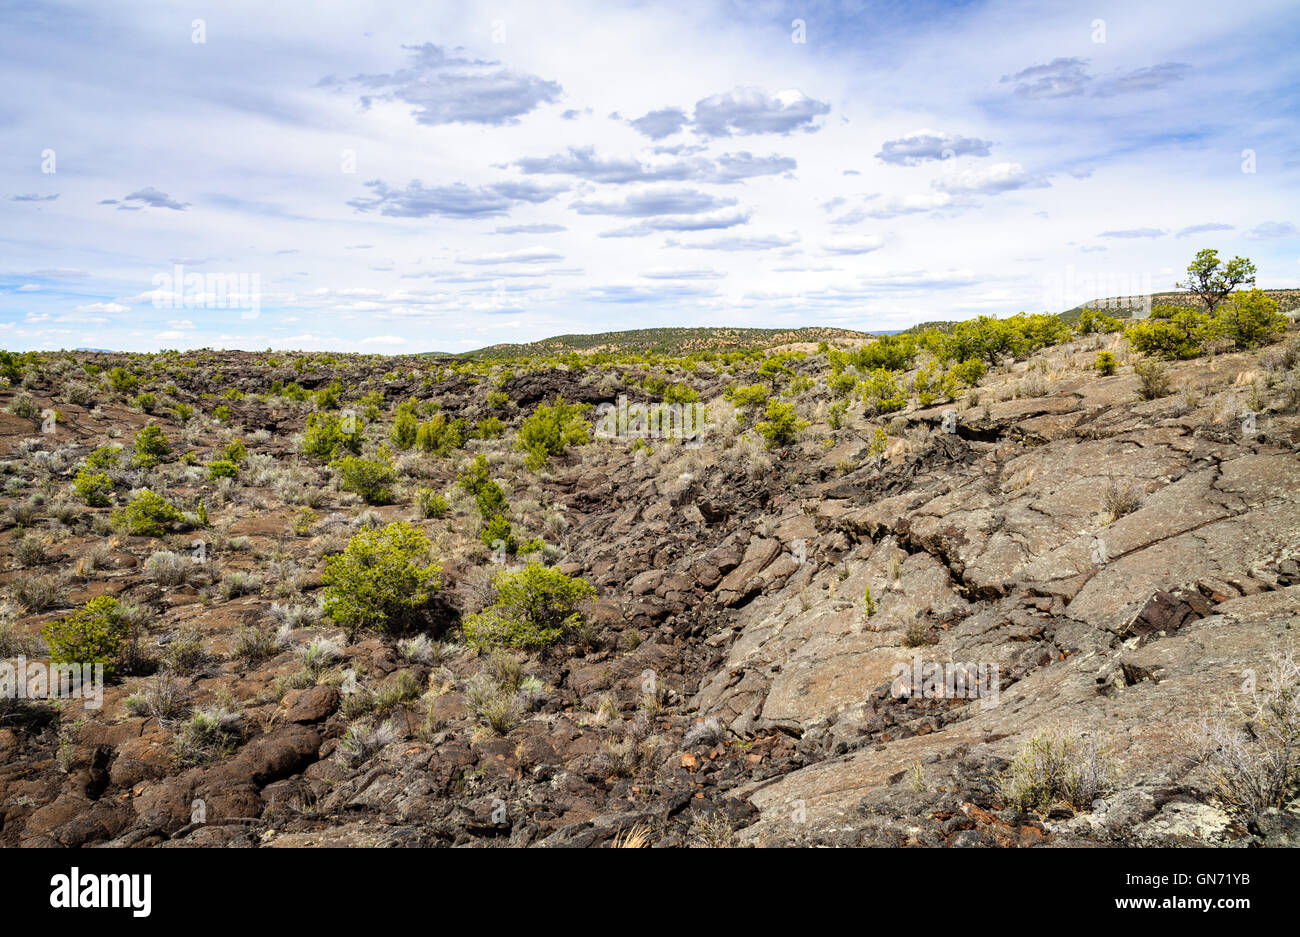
pixel 1126 565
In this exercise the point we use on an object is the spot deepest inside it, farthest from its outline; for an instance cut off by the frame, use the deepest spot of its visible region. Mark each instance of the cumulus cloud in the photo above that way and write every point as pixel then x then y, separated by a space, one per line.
pixel 680 223
pixel 1204 228
pixel 1059 78
pixel 734 167
pixel 911 204
pixel 1068 77
pixel 584 163
pixel 154 199
pixel 530 229
pixel 656 202
pixel 861 245
pixel 662 123
pixel 924 145
pixel 103 307
pixel 1134 233
pixel 450 201
pixel 751 110
pixel 852 216
pixel 444 88
pixel 990 180
pixel 736 243
pixel 1272 229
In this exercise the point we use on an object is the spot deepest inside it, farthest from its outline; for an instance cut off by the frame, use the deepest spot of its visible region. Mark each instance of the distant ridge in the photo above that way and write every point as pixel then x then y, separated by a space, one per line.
pixel 1118 306
pixel 664 341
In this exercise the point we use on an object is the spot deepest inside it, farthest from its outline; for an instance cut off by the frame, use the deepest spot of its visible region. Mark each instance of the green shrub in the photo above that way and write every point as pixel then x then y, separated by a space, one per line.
pixel 550 430
pixel 431 504
pixel 781 425
pixel 304 520
pixel 104 457
pixel 497 535
pixel 97 633
pixel 372 406
pixel 1039 331
pixel 879 443
pixel 324 438
pixel 223 414
pixel 381 580
pixel 151 447
pixel 841 383
pixel 477 481
pixel 369 478
pixel 1106 364
pixel 776 368
pixel 933 384
pixel 970 371
pixel 405 427
pixel 1181 336
pixel 747 398
pixel 881 392
pixel 891 352
pixel 1249 319
pixel 534 608
pixel 327 398
pixel 146 402
pixel 147 515
pixel 94 488
pixel 122 380
pixel 234 451
pixel 1092 322
pixel 438 436
pixel 11 367
pixel 983 337
pixel 222 468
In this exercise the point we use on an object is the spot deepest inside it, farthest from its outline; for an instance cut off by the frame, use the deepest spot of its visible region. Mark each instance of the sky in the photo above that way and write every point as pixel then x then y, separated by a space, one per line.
pixel 404 177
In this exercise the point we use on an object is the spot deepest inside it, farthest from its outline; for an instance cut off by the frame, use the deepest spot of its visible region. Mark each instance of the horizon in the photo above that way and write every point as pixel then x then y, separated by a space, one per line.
pixel 394 181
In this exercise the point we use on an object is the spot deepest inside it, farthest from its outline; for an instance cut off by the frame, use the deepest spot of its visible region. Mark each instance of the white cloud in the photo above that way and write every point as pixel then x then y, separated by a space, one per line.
pixel 861 245
pixel 103 307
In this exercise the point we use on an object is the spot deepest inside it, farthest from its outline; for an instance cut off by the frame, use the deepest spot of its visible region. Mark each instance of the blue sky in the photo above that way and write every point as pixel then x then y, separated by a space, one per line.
pixel 408 177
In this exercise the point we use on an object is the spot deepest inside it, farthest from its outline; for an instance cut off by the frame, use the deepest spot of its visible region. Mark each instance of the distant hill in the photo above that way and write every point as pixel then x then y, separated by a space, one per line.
pixel 1117 306
pixel 664 341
